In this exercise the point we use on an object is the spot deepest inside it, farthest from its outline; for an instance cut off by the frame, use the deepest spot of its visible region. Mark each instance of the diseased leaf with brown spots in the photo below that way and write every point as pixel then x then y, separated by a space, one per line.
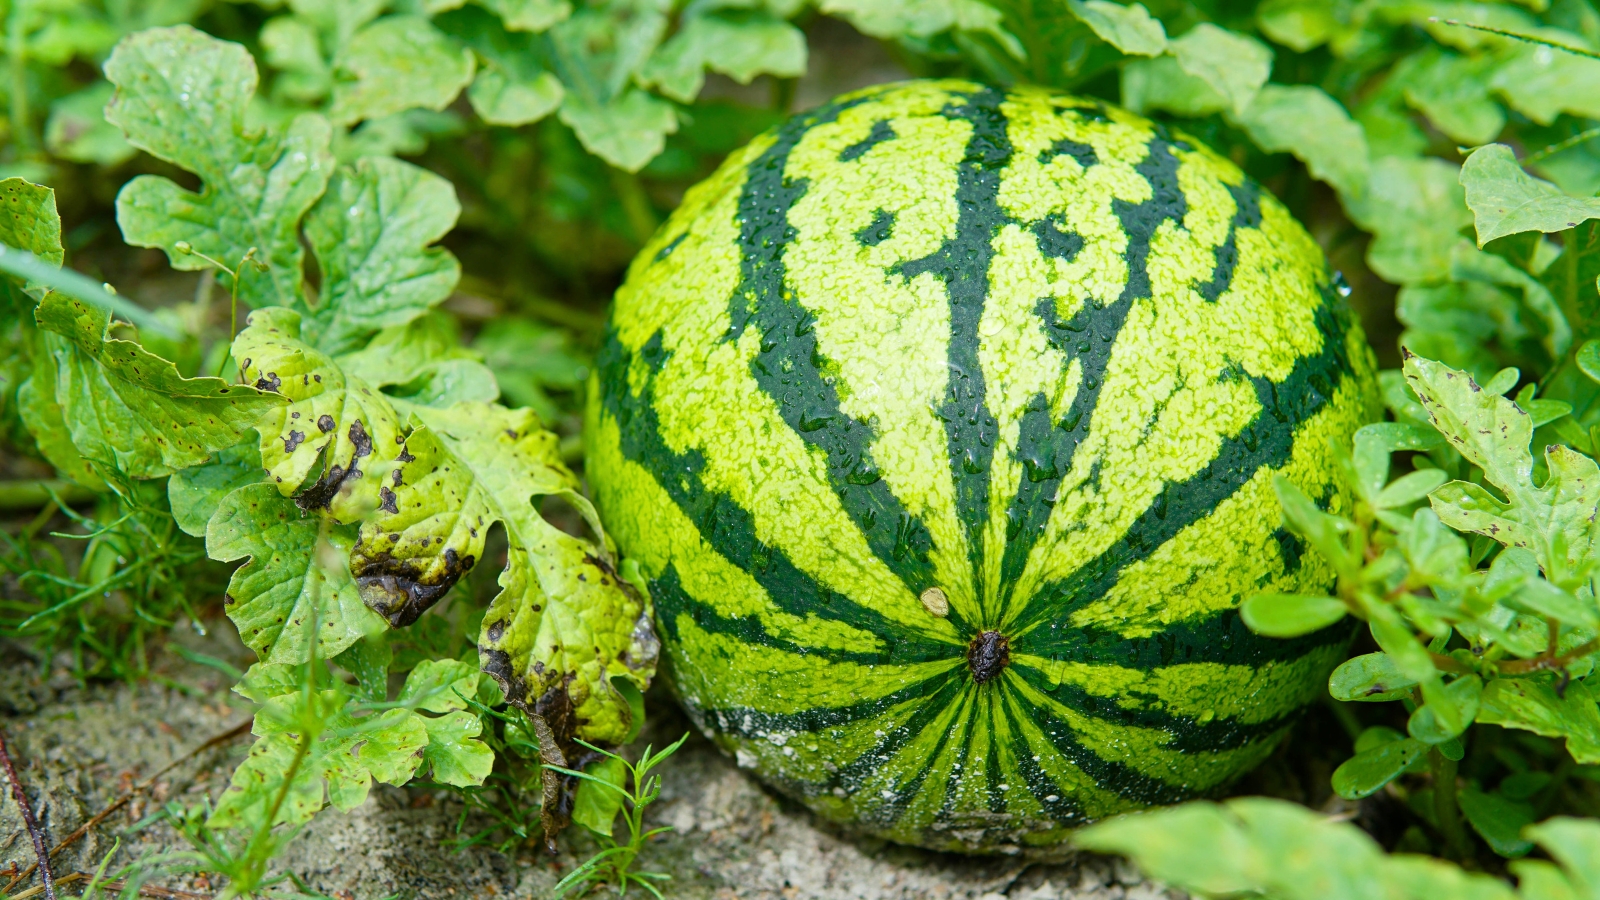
pixel 563 624
pixel 334 428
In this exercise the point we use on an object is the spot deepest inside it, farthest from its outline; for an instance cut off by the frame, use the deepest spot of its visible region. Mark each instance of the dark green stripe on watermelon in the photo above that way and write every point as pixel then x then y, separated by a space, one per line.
pixel 723 523
pixel 1267 441
pixel 789 367
pixel 962 263
pixel 1046 447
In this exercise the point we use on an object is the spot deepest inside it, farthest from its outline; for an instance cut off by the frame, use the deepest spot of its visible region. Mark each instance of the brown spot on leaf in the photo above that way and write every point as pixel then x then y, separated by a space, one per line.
pixel 401 590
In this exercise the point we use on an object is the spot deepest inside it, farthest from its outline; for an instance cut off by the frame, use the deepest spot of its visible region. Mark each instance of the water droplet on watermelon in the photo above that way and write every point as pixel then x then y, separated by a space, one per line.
pixel 1039 470
pixel 1340 285
pixel 863 474
pixel 811 421
pixel 969 464
pixel 1070 423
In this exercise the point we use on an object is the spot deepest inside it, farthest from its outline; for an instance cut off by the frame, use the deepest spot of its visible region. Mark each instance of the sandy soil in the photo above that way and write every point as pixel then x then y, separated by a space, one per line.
pixel 79 748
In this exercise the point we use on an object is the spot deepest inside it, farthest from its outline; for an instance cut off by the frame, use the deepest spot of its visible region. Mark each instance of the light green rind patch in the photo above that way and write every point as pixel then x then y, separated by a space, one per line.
pixel 1182 581
pixel 905 325
pixel 656 532
pixel 1203 691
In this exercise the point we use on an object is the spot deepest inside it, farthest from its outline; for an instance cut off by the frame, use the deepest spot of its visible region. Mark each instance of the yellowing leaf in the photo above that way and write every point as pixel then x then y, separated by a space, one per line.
pixel 124 406
pixel 563 624
pixel 337 420
pixel 1553 520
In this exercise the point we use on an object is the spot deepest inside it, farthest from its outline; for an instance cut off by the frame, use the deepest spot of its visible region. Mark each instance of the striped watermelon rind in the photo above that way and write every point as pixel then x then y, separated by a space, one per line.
pixel 942 422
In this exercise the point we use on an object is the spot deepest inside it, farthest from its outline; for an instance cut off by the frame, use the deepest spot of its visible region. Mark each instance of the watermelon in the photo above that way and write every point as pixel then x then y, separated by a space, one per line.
pixel 942 424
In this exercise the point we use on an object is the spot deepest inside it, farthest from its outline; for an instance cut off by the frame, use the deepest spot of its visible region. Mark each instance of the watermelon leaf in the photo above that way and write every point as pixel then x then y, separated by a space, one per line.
pixel 1504 199
pixel 292 569
pixel 1555 520
pixel 332 420
pixel 1130 28
pixel 182 97
pixel 124 406
pixel 1534 704
pixel 394 64
pixel 1305 121
pixel 564 623
pixel 1234 65
pixel 371 233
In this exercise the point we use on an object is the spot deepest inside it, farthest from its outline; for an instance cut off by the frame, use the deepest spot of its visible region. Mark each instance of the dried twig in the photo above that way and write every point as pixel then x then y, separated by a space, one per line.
pixel 120 802
pixel 47 877
pixel 118 885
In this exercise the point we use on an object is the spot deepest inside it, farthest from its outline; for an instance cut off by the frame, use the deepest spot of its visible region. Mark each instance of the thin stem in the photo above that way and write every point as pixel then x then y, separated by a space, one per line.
pixel 17 53
pixel 34 494
pixel 47 877
pixel 641 218
pixel 1445 808
pixel 1548 663
pixel 1559 146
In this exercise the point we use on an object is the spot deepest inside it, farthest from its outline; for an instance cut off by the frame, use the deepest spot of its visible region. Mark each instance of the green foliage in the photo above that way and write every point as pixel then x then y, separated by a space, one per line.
pixel 1282 851
pixel 625 788
pixel 546 139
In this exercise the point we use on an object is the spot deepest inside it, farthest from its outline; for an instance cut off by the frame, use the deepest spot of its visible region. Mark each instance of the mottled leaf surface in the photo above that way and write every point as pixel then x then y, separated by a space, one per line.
pixel 182 96
pixel 563 623
pixel 127 407
pixel 288 575
pixel 332 420
pixel 372 233
pixel 1553 520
